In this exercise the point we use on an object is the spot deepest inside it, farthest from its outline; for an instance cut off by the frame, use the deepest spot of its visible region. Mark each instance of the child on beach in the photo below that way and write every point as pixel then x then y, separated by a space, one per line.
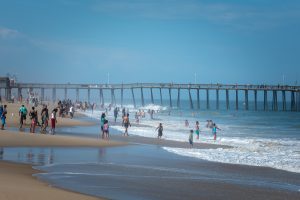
pixel 214 130
pixel 53 120
pixel 106 129
pixel 160 130
pixel 197 129
pixel 191 138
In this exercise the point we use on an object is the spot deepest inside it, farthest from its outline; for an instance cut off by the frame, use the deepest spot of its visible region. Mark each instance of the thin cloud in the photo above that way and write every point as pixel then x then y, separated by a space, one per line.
pixel 6 33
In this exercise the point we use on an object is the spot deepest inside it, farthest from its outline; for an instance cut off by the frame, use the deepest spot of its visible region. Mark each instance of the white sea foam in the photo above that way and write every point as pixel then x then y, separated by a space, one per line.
pixel 266 154
pixel 251 144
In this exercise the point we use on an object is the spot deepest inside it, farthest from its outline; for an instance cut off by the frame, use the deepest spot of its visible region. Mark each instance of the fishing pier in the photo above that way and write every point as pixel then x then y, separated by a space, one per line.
pixel 278 93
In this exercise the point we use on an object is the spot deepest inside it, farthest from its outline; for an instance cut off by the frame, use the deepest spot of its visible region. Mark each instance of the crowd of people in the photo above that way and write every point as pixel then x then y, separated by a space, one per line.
pixel 66 108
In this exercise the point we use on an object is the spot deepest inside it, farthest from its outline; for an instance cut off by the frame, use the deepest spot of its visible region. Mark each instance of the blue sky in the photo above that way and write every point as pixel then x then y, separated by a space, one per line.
pixel 77 41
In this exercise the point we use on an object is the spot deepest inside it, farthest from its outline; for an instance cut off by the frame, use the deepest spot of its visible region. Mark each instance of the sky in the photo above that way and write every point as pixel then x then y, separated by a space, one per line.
pixel 129 41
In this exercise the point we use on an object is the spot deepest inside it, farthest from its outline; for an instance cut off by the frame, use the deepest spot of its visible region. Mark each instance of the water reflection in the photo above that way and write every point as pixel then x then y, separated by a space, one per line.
pixel 1 153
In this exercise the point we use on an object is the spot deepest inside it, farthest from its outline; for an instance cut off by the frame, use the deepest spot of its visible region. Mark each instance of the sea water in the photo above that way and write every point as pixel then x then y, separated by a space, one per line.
pixel 258 138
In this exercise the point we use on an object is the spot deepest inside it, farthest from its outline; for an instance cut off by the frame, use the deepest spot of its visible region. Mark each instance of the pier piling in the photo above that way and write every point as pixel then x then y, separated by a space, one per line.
pixel 265 100
pixel 217 99
pixel 191 100
pixel 170 97
pixel 178 98
pixel 227 99
pixel 207 99
pixel 236 99
pixel 142 97
pixel 152 100
pixel 132 92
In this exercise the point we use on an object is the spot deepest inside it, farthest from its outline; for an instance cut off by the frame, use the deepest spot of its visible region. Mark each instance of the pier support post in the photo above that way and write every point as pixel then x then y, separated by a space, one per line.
pixel 152 100
pixel 292 101
pixel 298 101
pixel 236 99
pixel 77 94
pixel 178 98
pixel 265 100
pixel 122 97
pixel 8 93
pixel 161 101
pixel 115 101
pixel 20 95
pixel 274 102
pixel 89 95
pixel 112 96
pixel 191 101
pixel 246 100
pixel 66 93
pixel 217 99
pixel 53 94
pixel 198 99
pixel 255 100
pixel 42 94
pixel 142 97
pixel 132 92
pixel 101 97
pixel 170 96
pixel 207 99
pixel 283 100
pixel 227 99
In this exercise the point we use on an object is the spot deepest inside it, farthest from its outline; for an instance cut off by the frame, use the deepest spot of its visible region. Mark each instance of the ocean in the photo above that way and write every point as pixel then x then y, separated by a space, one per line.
pixel 259 138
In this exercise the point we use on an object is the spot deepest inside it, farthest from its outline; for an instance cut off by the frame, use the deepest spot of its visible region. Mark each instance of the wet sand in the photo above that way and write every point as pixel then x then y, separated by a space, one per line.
pixel 21 139
pixel 17 182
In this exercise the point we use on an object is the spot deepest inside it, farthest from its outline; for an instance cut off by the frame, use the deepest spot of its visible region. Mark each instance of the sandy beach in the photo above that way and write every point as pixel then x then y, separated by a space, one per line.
pixel 142 168
pixel 16 180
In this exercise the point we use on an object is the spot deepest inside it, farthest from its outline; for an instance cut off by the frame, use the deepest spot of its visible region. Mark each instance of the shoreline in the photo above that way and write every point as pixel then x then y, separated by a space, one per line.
pixel 17 182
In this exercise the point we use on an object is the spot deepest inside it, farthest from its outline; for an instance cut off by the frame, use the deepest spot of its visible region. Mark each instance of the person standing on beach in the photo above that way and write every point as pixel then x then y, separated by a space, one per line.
pixel 22 114
pixel 102 120
pixel 116 112
pixel 160 130
pixel 197 130
pixel 214 130
pixel 45 118
pixel 3 116
pixel 33 116
pixel 71 111
pixel 106 129
pixel 191 138
pixel 53 120
pixel 126 124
